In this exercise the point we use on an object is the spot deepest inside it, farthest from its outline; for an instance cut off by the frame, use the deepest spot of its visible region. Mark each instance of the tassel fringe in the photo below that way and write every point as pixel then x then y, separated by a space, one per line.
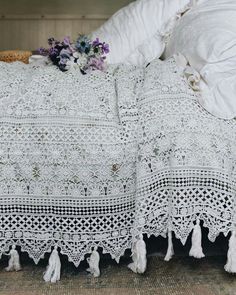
pixel 14 260
pixel 53 271
pixel 170 250
pixel 231 257
pixel 93 262
pixel 139 264
pixel 196 249
pixel 139 253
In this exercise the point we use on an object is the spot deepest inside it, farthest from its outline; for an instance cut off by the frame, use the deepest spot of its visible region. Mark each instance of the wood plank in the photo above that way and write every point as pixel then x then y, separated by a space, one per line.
pixel 82 7
pixel 30 34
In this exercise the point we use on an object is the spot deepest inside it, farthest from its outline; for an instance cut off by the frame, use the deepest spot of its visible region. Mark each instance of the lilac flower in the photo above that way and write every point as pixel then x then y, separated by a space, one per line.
pixel 66 41
pixel 64 57
pixel 43 51
pixel 100 46
pixel 85 54
pixel 105 48
pixel 67 44
pixel 53 51
pixel 63 61
pixel 65 53
pixel 96 63
pixel 96 42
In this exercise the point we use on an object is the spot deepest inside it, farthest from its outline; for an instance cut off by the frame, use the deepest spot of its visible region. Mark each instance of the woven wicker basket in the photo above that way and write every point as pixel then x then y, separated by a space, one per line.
pixel 15 55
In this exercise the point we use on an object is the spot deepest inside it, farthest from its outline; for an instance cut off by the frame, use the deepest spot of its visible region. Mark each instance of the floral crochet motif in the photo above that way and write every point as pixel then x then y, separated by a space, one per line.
pixel 95 161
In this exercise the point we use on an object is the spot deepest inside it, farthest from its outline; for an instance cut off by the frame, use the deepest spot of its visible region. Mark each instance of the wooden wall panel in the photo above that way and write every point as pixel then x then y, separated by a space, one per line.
pixel 30 32
pixel 26 24
pixel 76 7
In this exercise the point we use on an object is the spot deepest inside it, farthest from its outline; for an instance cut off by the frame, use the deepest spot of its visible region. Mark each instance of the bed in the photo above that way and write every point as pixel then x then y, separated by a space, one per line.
pixel 91 163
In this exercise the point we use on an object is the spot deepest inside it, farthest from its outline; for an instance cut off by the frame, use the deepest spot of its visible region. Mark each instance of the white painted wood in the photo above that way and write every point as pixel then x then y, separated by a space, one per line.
pixel 27 24
pixel 53 16
pixel 80 7
pixel 31 34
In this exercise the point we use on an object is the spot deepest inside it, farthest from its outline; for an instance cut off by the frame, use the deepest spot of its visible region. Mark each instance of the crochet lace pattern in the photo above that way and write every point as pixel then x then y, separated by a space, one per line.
pixel 96 160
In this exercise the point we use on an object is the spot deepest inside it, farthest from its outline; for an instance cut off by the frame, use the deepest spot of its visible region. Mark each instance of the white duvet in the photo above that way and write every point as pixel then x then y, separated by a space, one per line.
pixel 135 33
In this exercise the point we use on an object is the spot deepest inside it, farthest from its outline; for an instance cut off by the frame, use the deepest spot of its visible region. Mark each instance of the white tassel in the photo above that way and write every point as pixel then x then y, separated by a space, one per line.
pixel 170 251
pixel 53 271
pixel 93 262
pixel 196 249
pixel 139 253
pixel 231 257
pixel 14 260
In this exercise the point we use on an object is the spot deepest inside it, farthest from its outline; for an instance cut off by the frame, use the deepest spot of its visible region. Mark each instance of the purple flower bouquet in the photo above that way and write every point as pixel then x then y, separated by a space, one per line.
pixel 85 54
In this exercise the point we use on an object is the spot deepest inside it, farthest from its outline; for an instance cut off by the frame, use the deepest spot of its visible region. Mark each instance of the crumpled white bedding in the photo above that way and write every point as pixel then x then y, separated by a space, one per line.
pixel 97 160
pixel 136 33
pixel 206 36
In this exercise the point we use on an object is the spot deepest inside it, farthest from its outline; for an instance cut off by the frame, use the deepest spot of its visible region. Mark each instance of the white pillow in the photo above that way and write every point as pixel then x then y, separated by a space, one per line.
pixel 134 32
pixel 206 36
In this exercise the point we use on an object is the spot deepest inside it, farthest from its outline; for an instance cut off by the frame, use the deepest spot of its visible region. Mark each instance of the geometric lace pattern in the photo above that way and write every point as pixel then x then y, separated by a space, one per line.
pixel 186 168
pixel 96 160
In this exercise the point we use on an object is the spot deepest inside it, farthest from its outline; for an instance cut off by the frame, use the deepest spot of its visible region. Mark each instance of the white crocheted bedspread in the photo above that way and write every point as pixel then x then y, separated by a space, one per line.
pixel 97 159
